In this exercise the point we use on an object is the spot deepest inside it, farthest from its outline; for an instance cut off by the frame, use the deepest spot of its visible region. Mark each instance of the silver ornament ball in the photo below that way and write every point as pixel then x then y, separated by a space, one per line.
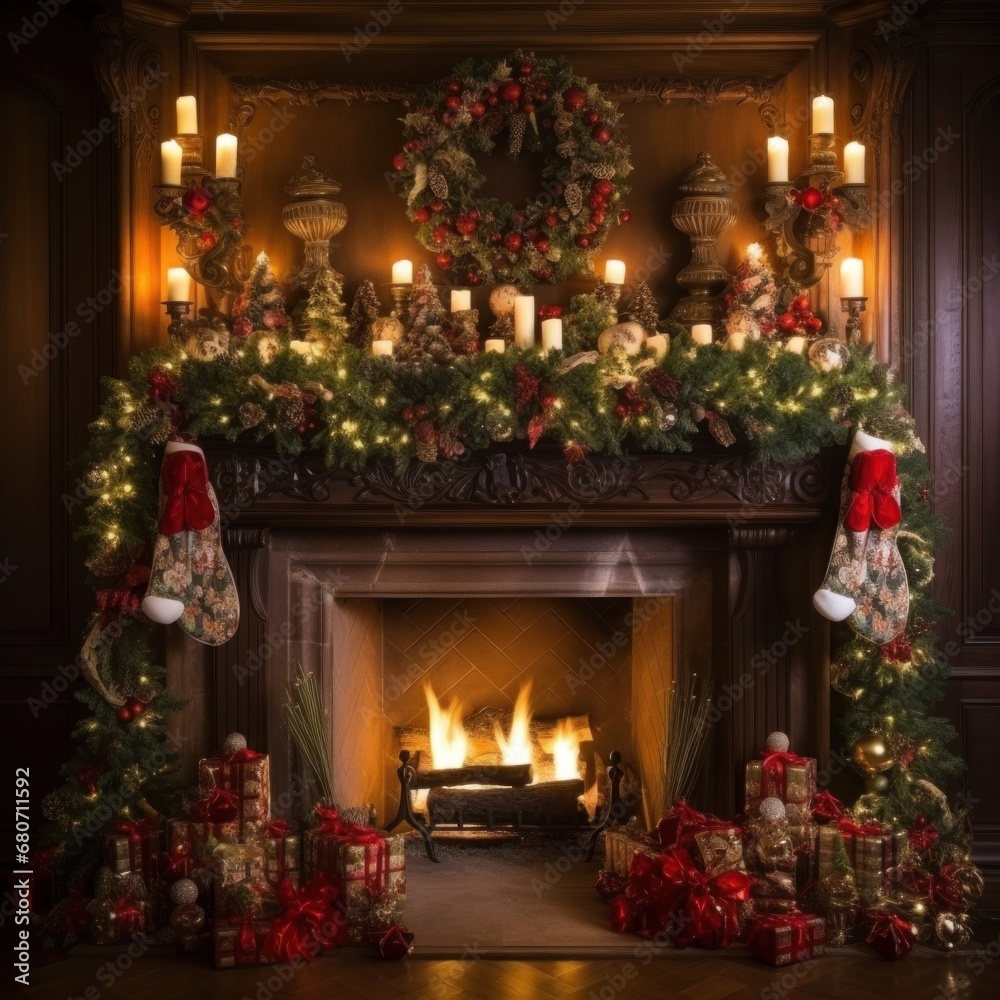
pixel 184 891
pixel 234 742
pixel 772 809
pixel 777 743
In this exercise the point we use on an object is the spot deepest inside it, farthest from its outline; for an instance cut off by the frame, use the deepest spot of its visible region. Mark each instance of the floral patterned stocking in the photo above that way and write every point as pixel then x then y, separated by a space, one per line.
pixel 190 582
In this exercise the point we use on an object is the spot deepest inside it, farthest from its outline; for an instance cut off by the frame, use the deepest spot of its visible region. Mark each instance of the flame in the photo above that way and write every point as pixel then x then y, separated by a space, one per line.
pixel 448 739
pixel 516 748
pixel 565 750
pixel 590 800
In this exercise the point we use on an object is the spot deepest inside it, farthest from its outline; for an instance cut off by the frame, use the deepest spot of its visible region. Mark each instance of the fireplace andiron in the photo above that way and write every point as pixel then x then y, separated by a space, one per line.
pixel 616 808
pixel 405 773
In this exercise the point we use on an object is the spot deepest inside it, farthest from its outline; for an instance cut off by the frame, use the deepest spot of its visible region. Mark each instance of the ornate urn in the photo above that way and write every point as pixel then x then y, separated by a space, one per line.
pixel 314 217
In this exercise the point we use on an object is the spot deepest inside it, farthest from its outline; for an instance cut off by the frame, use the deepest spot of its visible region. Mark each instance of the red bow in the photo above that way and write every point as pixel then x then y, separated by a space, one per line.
pixel 279 828
pixel 186 503
pixel 175 864
pixel 309 924
pixel 944 889
pixel 826 807
pixel 851 828
pixel 891 936
pixel 670 893
pixel 872 480
pixel 220 807
pixel 127 596
pixel 678 827
pixel 395 943
pixel 774 765
pixel 129 918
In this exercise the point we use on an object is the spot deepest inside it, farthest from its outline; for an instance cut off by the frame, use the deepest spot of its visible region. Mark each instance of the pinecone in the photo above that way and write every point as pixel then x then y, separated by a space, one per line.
pixel 697 412
pixel 574 198
pixel 251 414
pixel 518 128
pixel 605 171
pixel 437 183
pixel 291 412
pixel 719 428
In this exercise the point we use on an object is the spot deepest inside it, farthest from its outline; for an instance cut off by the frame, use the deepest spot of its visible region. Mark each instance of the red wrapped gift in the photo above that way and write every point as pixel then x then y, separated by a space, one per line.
pixel 785 938
pixel 131 846
pixel 244 774
pixel 890 935
pixel 239 941
pixel 784 775
pixel 282 851
pixel 677 828
pixel 309 923
pixel 670 895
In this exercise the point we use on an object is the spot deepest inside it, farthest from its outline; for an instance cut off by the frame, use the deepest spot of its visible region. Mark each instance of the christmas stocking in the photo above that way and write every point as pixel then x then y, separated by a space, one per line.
pixel 865 580
pixel 190 581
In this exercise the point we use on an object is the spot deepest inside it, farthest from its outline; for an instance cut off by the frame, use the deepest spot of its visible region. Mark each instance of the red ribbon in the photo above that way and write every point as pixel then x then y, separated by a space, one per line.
pixel 872 480
pixel 309 923
pixel 175 864
pixel 279 829
pixel 129 918
pixel 127 597
pixel 186 504
pixel 851 828
pixel 826 807
pixel 891 936
pixel 220 807
pixel 670 893
pixel 678 827
pixel 764 926
pixel 944 889
pixel 774 765
pixel 355 835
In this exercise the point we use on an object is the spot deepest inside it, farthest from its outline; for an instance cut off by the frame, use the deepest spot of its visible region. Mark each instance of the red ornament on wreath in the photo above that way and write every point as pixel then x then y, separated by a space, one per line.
pixel 488 237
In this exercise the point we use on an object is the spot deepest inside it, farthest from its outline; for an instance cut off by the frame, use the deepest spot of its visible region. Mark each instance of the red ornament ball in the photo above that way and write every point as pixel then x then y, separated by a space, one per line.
pixel 163 384
pixel 624 215
pixel 440 234
pixel 511 92
pixel 528 108
pixel 453 102
pixel 810 198
pixel 582 241
pixel 602 134
pixel 197 201
pixel 135 706
pixel 574 98
pixel 437 206
pixel 604 187
pixel 422 214
pixel 493 100
pixel 454 87
pixel 551 220
pixel 474 278
pixel 591 117
pixel 444 259
pixel 525 69
pixel 543 273
pixel 399 161
pixel 207 240
pixel 787 321
pixel 513 241
pixel 124 714
pixel 447 118
pixel 543 245
pixel 466 225
pixel 801 303
pixel 477 109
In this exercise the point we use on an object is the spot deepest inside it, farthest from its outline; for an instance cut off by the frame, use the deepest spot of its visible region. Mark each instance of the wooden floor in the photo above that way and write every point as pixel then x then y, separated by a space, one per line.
pixel 853 974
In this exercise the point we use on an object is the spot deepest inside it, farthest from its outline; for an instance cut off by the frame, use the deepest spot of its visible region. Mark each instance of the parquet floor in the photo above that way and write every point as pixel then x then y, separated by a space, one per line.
pixel 108 974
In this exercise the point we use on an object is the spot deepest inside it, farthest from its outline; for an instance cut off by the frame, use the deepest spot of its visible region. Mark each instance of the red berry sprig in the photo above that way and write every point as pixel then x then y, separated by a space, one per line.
pixel 799 319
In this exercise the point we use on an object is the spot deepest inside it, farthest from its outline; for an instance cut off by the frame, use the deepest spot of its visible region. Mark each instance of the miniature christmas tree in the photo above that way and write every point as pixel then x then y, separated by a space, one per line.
pixel 320 316
pixel 364 311
pixel 751 296
pixel 425 337
pixel 261 306
pixel 642 308
pixel 587 318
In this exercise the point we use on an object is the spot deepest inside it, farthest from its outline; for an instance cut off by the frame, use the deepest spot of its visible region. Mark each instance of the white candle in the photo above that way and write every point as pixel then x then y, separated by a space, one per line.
pixel 736 341
pixel 701 333
pixel 796 345
pixel 402 272
pixel 658 344
pixel 852 278
pixel 614 272
pixel 187 116
pixel 495 346
pixel 524 320
pixel 854 163
pixel 552 334
pixel 382 347
pixel 461 299
pixel 170 162
pixel 178 285
pixel 822 114
pixel 777 160
pixel 225 155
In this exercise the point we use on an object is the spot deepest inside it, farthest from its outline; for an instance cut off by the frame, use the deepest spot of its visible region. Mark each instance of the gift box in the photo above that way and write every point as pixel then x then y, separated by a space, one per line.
pixel 198 839
pixel 620 845
pixel 282 854
pixel 720 850
pixel 873 854
pixel 132 847
pixel 120 908
pixel 239 941
pixel 786 776
pixel 236 863
pixel 785 938
pixel 245 775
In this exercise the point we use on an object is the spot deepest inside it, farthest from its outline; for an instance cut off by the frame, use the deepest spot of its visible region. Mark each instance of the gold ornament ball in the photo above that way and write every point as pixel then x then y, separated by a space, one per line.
pixel 502 299
pixel 872 754
pixel 877 784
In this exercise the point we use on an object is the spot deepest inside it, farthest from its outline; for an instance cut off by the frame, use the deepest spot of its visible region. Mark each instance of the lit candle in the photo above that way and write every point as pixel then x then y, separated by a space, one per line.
pixel 822 114
pixel 187 116
pixel 552 334
pixel 170 162
pixel 777 160
pixel 854 163
pixel 852 278
pixel 382 347
pixel 796 345
pixel 658 344
pixel 178 285
pixel 225 155
pixel 701 333
pixel 736 341
pixel 461 299
pixel 524 320
pixel 402 272
pixel 495 346
pixel 614 272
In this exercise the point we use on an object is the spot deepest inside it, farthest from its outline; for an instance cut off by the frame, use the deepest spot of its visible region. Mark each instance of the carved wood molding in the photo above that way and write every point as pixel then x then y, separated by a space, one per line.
pixel 886 68
pixel 128 69
pixel 247 94
pixel 733 485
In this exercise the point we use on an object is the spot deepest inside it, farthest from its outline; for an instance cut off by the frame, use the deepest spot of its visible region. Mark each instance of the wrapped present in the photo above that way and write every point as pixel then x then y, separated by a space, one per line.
pixel 236 863
pixel 282 853
pixel 120 908
pixel 309 921
pixel 889 934
pixel 245 775
pixel 670 895
pixel 786 776
pixel 239 941
pixel 774 886
pixel 199 837
pixel 130 846
pixel 872 852
pixel 785 938
pixel 677 828
pixel 720 849
pixel 621 844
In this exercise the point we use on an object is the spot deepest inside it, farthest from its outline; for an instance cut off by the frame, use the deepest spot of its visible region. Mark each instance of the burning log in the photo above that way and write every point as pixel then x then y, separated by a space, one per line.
pixel 507 775
pixel 549 803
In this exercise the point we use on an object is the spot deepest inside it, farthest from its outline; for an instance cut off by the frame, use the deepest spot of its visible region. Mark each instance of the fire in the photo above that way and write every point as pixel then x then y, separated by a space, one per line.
pixel 565 750
pixel 447 735
pixel 516 749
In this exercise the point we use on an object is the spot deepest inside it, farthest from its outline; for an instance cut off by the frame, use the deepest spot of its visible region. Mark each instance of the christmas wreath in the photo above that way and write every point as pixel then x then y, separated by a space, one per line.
pixel 544 107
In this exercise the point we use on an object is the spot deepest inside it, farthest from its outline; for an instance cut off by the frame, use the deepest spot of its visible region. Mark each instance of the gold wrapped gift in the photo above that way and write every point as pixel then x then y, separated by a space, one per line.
pixel 247 775
pixel 240 942
pixel 235 863
pixel 720 850
pixel 793 783
pixel 621 845
pixel 364 871
pixel 283 858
